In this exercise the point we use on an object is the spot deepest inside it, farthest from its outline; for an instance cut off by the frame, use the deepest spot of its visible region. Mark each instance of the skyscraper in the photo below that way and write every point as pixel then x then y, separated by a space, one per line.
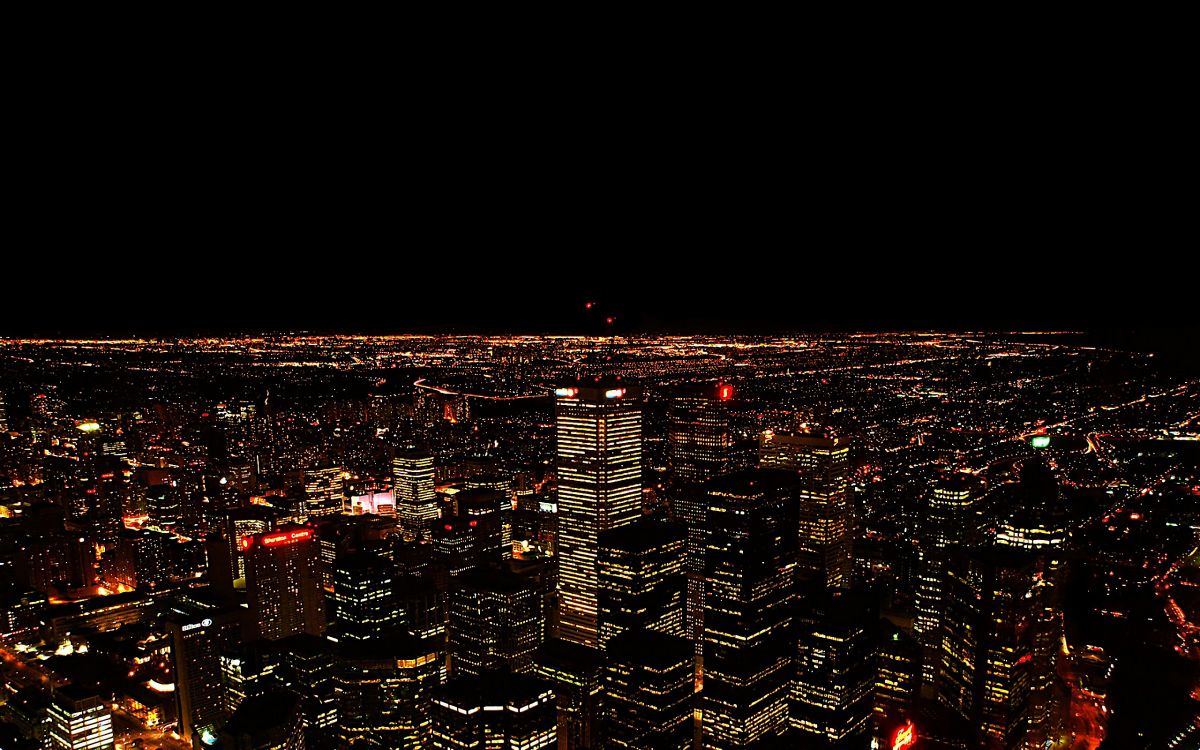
pixel 749 569
pixel 305 665
pixel 987 654
pixel 199 634
pixel 496 710
pixel 79 720
pixel 414 493
pixel 641 579
pixel 599 458
pixel 384 690
pixel 832 688
pixel 826 521
pixel 324 494
pixel 364 596
pixel 649 687
pixel 282 583
pixel 496 622
pixel 577 673
pixel 951 520
pixel 698 437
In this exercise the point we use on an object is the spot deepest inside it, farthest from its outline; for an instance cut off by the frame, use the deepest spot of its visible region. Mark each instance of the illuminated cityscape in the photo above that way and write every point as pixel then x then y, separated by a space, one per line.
pixel 924 540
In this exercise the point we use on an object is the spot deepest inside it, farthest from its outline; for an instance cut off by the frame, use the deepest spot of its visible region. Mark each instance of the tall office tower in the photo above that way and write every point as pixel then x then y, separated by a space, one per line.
pixel 364 597
pixel 246 670
pixel 3 415
pixel 282 583
pixel 826 520
pixel 986 655
pixel 698 437
pixel 384 690
pixel 641 580
pixel 1038 523
pixel 492 512
pixel 495 710
pixel 749 566
pixel 245 522
pixel 200 632
pixel 79 720
pixel 951 521
pixel 306 666
pixel 324 493
pixel 496 622
pixel 599 432
pixel 271 721
pixel 141 559
pixel 414 493
pixel 423 611
pixel 577 673
pixel 898 677
pixel 502 484
pixel 831 694
pixel 459 545
pixel 649 688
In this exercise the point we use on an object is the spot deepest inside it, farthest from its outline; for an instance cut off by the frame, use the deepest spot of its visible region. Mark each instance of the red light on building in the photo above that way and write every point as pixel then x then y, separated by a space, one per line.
pixel 288 537
pixel 725 392
pixel 448 527
pixel 246 543
pixel 905 737
pixel 473 524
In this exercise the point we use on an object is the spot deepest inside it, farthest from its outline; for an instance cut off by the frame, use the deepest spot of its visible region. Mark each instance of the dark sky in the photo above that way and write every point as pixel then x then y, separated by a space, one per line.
pixel 706 204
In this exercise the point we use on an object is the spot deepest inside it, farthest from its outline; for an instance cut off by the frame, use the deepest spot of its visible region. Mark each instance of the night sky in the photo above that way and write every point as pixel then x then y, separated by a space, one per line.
pixel 711 208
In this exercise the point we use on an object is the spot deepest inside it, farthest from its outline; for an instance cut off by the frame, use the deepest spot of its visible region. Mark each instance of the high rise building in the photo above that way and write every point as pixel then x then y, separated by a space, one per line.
pixel 414 493
pixel 282 583
pixel 951 521
pixel 898 674
pixel 577 673
pixel 306 666
pixel 247 669
pixel 749 569
pixel 384 690
pixel 495 710
pixel 200 632
pixel 641 579
pixel 241 523
pixel 3 415
pixel 364 596
pixel 79 720
pixel 491 509
pixel 324 493
pixel 271 721
pixel 987 654
pixel 649 689
pixel 698 437
pixel 599 459
pixel 831 697
pixel 826 520
pixel 496 622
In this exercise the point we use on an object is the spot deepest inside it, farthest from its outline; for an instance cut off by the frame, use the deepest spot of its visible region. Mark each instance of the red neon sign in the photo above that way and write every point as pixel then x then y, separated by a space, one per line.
pixel 473 523
pixel 288 537
pixel 725 393
pixel 905 737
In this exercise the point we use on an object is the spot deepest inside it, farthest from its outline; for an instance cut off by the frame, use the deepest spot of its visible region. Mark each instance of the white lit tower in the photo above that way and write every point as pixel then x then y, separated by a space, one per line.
pixel 599 457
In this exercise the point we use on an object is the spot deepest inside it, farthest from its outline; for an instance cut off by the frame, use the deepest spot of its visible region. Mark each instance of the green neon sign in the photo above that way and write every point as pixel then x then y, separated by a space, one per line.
pixel 1040 441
